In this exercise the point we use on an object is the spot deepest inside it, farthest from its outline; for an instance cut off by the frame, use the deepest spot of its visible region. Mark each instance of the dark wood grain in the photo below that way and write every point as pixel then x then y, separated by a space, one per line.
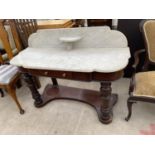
pixel 81 76
pixel 102 100
pixel 91 97
pixel 35 94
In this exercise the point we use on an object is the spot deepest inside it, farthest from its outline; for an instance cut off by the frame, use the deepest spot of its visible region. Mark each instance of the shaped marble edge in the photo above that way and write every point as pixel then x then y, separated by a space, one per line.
pixel 102 59
pixel 101 40
pixel 96 37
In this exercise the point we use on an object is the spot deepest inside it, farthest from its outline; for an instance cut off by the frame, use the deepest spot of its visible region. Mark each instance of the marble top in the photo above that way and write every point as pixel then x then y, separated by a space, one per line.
pixel 79 60
pixel 91 37
pixel 99 49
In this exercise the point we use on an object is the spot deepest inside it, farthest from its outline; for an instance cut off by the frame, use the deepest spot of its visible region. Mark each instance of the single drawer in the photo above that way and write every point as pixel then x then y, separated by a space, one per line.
pixel 60 74
pixel 48 73
pixel 81 76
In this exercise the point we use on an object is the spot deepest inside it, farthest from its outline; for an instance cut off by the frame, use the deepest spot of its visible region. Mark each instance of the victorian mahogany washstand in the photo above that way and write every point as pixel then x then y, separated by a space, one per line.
pixel 85 54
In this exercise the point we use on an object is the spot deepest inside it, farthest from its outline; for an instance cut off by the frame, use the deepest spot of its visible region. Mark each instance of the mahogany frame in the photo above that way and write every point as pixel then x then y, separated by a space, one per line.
pixel 103 101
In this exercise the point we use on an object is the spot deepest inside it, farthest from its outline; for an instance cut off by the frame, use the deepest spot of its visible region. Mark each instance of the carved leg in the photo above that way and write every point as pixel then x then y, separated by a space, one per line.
pixel 54 81
pixel 37 82
pixel 11 90
pixel 129 105
pixel 35 94
pixel 106 106
pixel 2 93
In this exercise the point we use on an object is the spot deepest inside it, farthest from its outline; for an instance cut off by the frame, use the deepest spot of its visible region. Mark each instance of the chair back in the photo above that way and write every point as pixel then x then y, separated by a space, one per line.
pixel 148 29
pixel 25 28
pixel 9 40
pixel 5 40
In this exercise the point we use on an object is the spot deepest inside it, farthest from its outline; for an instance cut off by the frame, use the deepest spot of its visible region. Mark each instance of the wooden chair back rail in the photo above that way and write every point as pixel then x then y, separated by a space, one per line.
pixel 21 30
pixel 5 40
pixel 33 25
pixel 25 28
pixel 29 27
pixel 15 35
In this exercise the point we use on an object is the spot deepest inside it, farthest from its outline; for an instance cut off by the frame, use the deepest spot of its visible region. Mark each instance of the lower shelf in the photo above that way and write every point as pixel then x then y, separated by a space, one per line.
pixel 90 97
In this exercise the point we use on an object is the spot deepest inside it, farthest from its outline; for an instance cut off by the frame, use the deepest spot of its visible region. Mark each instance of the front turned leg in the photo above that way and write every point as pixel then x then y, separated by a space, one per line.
pixel 54 81
pixel 35 94
pixel 107 104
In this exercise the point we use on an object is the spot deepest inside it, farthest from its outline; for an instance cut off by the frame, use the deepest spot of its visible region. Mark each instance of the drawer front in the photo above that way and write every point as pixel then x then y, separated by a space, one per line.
pixel 56 74
pixel 59 74
pixel 82 76
pixel 62 74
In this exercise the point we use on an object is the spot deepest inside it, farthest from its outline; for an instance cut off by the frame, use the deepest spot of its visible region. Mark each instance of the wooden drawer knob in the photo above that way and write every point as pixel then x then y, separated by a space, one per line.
pixel 45 73
pixel 64 75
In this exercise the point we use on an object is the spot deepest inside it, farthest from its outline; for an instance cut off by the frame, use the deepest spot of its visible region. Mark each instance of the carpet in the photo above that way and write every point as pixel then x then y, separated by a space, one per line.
pixel 65 117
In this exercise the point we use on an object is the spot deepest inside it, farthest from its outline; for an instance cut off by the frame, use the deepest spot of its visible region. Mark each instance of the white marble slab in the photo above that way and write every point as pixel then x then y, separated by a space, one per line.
pixel 79 60
pixel 92 37
pixel 99 49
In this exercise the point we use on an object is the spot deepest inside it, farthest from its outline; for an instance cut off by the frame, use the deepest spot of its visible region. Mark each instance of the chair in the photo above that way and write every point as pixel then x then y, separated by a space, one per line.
pixel 9 43
pixel 9 76
pixel 142 85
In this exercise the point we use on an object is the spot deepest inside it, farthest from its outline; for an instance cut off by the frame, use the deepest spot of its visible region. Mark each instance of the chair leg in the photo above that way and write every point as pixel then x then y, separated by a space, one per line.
pixel 2 93
pixel 19 83
pixel 12 93
pixel 129 105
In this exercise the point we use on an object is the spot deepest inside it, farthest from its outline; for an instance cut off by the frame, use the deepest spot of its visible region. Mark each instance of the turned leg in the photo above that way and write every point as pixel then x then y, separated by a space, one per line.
pixel 37 82
pixel 2 93
pixel 106 106
pixel 54 81
pixel 12 92
pixel 129 105
pixel 35 94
